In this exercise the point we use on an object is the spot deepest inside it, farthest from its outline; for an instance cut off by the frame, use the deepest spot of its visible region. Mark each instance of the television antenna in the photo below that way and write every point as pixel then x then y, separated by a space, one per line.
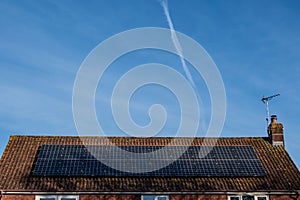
pixel 266 100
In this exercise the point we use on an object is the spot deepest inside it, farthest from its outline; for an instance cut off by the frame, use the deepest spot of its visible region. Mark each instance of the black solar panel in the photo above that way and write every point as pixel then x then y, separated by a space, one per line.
pixel 202 161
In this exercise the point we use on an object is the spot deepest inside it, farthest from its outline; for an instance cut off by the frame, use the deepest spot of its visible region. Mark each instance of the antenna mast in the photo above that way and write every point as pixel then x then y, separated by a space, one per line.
pixel 265 100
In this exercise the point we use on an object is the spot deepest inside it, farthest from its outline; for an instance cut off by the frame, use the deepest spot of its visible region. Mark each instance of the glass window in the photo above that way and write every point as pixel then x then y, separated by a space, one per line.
pixel 66 198
pixel 154 197
pixel 261 198
pixel 248 197
pixel 162 198
pixel 148 197
pixel 47 198
pixel 54 197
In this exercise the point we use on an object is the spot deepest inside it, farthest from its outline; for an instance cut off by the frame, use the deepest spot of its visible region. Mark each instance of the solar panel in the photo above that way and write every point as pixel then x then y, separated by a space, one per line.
pixel 201 161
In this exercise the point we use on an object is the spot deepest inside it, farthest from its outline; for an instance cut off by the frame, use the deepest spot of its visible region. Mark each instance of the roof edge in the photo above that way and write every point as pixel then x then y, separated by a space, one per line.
pixel 147 192
pixel 159 137
pixel 11 138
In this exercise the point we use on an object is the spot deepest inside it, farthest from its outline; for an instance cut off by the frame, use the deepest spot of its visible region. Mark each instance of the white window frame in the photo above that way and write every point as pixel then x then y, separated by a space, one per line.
pixel 255 196
pixel 38 197
pixel 239 196
pixel 155 196
pixel 56 197
pixel 68 196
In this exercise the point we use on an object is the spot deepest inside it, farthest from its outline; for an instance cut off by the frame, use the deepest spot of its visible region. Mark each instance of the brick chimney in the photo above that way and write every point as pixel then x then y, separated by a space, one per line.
pixel 275 132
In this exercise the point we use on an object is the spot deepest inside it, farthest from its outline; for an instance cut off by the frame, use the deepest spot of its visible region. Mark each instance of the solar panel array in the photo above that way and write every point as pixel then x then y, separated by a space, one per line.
pixel 202 161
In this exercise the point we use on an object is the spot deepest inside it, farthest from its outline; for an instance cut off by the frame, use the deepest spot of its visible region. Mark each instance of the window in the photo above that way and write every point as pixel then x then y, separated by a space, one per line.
pixel 162 198
pixel 234 198
pixel 248 197
pixel 55 197
pixel 262 198
pixel 154 197
pixel 46 197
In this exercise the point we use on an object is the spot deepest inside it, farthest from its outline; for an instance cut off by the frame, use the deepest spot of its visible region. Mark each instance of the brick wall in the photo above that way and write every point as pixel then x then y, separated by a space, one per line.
pixel 18 197
pixel 284 197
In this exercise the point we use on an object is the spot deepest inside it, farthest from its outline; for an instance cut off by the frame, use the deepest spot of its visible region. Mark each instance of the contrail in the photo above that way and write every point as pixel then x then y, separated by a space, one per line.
pixel 164 4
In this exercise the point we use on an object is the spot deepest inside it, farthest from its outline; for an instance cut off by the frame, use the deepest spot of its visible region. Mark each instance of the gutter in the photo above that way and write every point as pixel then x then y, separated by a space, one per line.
pixel 143 193
pixel 295 196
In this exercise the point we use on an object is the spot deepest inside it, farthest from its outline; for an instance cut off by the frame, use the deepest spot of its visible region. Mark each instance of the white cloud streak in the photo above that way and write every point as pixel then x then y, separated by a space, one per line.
pixel 164 4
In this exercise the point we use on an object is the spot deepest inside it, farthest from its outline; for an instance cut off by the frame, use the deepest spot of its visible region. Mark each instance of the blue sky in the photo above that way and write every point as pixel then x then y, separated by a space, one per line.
pixel 255 45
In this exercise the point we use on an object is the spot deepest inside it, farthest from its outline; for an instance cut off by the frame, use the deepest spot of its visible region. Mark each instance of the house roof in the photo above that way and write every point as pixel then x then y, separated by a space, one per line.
pixel 18 160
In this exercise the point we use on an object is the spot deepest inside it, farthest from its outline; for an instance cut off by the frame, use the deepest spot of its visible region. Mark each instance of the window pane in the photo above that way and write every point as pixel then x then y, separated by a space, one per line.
pixel 248 197
pixel 68 198
pixel 234 198
pixel 261 198
pixel 47 198
pixel 162 198
pixel 148 197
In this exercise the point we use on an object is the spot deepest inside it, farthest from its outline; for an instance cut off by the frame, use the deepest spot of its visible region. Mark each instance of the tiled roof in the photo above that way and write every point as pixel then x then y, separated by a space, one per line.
pixel 18 160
